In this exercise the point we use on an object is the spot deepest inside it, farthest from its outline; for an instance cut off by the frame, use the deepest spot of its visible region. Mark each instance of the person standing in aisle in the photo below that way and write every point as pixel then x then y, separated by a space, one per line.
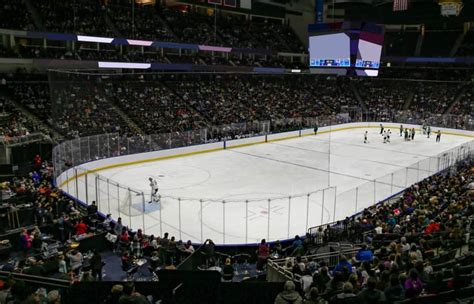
pixel 438 136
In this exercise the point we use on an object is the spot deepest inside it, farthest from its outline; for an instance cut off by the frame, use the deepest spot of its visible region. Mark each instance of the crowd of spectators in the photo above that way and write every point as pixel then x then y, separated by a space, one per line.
pixel 434 97
pixel 384 96
pixel 154 107
pixel 143 23
pixel 35 96
pixel 13 15
pixel 412 247
pixel 14 122
pixel 88 104
pixel 83 108
pixel 83 17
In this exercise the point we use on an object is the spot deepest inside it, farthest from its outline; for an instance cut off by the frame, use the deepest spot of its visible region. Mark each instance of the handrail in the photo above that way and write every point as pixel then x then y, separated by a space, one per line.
pixel 35 279
pixel 331 257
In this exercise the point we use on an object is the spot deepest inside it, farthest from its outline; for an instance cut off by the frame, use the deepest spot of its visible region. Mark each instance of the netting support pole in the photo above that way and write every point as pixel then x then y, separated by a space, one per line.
pixel 357 199
pixel 108 196
pixel 98 148
pixel 87 189
pixel 67 180
pixel 118 199
pixel 88 148
pixel 322 208
pixel 246 221
pixel 76 183
pixel 72 154
pixel 108 145
pixel 223 222
pixel 161 219
pixel 268 224
pixel 130 207
pixel 200 201
pixel 307 211
pixel 289 215
pixel 179 219
pixel 97 191
pixel 143 212
pixel 335 201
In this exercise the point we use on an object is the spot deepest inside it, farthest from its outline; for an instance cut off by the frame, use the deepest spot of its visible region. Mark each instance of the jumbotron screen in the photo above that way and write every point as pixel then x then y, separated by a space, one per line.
pixel 347 48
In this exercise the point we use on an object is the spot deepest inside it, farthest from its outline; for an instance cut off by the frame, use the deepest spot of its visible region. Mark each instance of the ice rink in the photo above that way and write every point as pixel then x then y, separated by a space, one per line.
pixel 273 190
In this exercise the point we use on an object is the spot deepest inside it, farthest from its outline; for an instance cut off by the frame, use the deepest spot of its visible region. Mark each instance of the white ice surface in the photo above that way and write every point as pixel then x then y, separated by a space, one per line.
pixel 275 170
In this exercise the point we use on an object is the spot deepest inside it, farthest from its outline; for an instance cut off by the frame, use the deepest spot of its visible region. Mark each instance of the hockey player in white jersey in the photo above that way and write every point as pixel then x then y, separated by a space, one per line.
pixel 155 197
pixel 365 137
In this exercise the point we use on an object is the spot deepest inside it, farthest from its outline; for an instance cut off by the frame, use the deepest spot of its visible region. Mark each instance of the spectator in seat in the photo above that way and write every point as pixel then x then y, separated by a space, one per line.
pixel 365 254
pixel 131 296
pixel 228 271
pixel 189 247
pixel 75 260
pixel 80 227
pixel 92 209
pixel 395 291
pixel 263 254
pixel 126 261
pixel 432 227
pixel 370 295
pixel 107 223
pixel 115 293
pixel 288 295
pixel 54 297
pixel 343 263
pixel 346 297
pixel 25 241
pixel 297 246
pixel 314 298
pixel 413 284
pixel 37 161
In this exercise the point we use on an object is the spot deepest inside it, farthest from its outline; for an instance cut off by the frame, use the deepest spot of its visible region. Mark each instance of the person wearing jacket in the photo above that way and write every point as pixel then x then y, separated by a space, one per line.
pixel 288 295
pixel 365 254
pixel 370 295
pixel 395 291
pixel 343 263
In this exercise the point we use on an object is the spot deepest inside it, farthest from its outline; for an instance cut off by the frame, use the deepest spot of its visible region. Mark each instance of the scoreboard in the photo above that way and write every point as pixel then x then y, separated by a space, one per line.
pixel 345 48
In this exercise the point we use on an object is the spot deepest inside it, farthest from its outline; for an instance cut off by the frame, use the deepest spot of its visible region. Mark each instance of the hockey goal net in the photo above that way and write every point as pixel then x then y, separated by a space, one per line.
pixel 131 203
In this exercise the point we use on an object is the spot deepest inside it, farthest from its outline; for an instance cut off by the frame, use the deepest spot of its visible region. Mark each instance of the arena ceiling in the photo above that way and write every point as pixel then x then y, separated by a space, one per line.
pixel 419 12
